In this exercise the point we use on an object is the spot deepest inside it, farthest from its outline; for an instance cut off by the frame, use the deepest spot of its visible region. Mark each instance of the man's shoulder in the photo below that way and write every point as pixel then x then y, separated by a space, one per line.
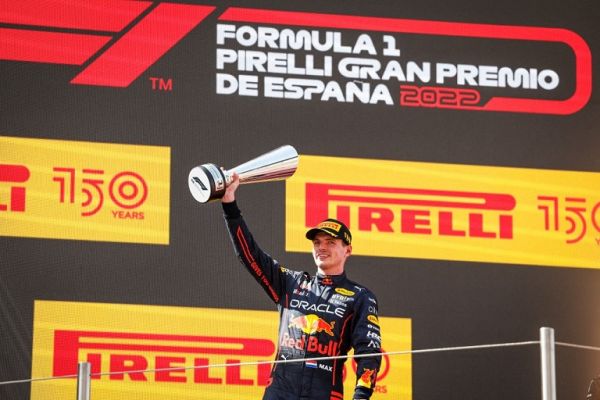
pixel 360 290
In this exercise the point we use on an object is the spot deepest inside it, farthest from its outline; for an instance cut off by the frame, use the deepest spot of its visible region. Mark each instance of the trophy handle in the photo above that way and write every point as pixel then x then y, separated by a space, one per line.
pixel 228 176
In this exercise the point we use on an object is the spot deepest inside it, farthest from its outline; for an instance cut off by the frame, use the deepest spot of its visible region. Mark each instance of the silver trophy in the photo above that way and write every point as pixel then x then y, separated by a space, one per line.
pixel 208 182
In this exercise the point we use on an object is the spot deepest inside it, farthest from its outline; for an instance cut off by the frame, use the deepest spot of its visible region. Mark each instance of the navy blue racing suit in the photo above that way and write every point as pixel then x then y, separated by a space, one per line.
pixel 320 316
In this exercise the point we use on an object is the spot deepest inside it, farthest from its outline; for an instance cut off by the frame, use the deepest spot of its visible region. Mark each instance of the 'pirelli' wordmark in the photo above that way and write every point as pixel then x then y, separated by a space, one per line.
pixel 131 353
pixel 389 209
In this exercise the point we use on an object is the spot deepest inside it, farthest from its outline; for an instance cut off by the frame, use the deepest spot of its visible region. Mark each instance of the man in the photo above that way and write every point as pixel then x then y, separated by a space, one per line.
pixel 320 316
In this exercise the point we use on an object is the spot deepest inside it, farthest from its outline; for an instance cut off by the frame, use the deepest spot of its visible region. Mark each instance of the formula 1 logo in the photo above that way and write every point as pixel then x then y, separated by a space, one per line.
pixel 115 40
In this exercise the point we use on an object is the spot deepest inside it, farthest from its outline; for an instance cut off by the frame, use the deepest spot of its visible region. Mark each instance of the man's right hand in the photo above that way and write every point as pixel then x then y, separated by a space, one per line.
pixel 229 195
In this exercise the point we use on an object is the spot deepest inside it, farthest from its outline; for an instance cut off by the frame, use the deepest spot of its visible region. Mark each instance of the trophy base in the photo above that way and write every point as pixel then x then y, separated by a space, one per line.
pixel 207 183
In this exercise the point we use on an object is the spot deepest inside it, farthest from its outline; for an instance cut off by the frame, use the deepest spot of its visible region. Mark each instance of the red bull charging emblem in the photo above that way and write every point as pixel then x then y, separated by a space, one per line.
pixel 311 324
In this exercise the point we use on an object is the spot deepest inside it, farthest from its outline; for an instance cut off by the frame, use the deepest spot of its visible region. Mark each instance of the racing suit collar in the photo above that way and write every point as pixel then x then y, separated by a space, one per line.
pixel 331 280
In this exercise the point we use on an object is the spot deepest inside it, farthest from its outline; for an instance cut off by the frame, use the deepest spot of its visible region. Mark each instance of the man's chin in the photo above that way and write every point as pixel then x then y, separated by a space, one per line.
pixel 321 264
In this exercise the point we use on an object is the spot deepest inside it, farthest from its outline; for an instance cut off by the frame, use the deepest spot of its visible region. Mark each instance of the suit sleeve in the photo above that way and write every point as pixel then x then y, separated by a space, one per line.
pixel 265 270
pixel 366 339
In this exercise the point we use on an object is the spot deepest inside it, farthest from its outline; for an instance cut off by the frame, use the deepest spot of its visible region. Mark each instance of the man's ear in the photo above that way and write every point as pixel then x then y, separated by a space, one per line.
pixel 348 250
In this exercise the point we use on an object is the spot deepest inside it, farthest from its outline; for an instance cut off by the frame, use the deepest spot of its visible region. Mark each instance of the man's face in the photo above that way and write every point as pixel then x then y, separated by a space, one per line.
pixel 330 253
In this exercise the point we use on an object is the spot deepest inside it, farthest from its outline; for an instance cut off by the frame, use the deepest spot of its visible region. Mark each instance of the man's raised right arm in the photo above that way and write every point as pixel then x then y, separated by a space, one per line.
pixel 261 265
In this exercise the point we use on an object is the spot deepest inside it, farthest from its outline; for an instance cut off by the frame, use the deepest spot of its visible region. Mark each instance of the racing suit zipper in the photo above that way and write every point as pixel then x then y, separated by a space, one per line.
pixel 315 284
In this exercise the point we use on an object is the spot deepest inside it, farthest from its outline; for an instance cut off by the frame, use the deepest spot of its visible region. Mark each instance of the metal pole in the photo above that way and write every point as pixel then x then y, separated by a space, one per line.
pixel 83 380
pixel 548 364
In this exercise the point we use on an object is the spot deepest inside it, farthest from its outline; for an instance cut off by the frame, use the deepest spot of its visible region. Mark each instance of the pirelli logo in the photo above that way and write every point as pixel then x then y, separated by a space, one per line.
pixel 450 212
pixel 164 353
pixel 122 354
pixel 330 225
pixel 412 211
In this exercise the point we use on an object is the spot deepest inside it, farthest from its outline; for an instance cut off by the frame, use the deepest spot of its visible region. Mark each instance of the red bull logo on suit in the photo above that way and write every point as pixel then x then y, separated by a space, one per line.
pixel 311 324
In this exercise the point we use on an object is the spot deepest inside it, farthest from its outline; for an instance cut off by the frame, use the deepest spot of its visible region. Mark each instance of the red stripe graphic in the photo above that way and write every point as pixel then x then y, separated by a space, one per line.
pixel 339 351
pixel 583 57
pixel 48 47
pixel 143 45
pixel 95 15
pixel 336 395
pixel 244 246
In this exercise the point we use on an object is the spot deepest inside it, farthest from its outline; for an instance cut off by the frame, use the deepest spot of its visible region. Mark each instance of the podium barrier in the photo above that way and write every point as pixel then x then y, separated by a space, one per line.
pixel 546 342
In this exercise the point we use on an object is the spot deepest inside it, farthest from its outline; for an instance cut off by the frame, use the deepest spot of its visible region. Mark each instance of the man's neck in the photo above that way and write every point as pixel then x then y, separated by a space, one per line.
pixel 330 271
